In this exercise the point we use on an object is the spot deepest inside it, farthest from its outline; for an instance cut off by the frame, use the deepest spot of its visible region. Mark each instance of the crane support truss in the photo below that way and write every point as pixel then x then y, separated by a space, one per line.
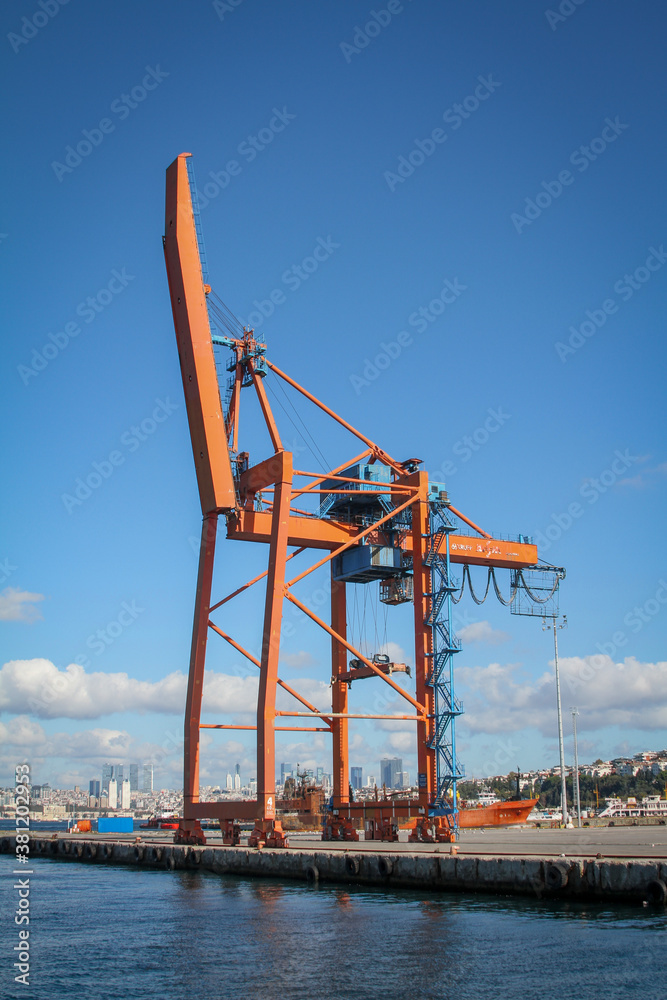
pixel 446 707
pixel 406 519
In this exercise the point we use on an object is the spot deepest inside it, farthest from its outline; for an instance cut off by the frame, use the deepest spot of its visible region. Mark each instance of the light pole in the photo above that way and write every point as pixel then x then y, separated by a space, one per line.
pixel 563 789
pixel 575 776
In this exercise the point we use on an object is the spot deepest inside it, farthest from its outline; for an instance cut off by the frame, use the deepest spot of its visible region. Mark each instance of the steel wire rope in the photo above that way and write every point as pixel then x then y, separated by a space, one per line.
pixel 355 614
pixel 223 308
pixel 273 393
pixel 456 600
pixel 384 631
pixel 474 596
pixel 374 603
pixel 300 419
pixel 362 632
pixel 538 600
pixel 497 589
pixel 520 583
pixel 222 320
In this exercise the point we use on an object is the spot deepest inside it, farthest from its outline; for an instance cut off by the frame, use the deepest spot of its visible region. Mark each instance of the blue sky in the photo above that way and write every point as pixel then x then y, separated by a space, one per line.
pixel 511 151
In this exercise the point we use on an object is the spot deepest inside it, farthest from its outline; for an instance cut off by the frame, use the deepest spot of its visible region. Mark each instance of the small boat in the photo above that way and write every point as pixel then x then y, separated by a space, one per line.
pixel 161 823
pixel 650 806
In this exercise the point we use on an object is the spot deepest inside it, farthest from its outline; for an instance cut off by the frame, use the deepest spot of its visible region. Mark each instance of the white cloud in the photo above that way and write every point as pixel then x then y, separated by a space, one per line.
pixel 482 632
pixel 395 652
pixel 298 660
pixel 19 605
pixel 68 758
pixel 404 742
pixel 645 477
pixel 626 695
pixel 38 688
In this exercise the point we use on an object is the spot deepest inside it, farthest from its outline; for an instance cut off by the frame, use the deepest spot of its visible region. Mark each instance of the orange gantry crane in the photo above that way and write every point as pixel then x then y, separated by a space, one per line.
pixel 371 518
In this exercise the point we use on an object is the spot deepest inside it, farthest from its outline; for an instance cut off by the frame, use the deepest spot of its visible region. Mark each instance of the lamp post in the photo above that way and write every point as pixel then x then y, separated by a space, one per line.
pixel 563 790
pixel 575 776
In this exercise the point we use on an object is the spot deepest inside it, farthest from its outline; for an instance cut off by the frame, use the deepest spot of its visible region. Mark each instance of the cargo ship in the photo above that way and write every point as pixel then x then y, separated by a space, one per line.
pixel 489 811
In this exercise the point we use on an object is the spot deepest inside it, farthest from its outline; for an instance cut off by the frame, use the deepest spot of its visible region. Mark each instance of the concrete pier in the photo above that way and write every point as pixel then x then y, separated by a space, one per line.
pixel 551 874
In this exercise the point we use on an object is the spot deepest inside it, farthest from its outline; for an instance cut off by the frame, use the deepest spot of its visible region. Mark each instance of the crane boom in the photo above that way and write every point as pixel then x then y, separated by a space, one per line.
pixel 195 350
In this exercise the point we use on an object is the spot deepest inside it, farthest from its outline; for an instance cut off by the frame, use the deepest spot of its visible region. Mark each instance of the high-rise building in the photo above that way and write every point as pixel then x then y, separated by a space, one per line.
pixel 113 793
pixel 237 781
pixel 237 770
pixel 229 784
pixel 148 778
pixel 319 775
pixel 356 778
pixel 134 777
pixel 390 772
pixel 111 771
pixel 285 772
pixel 371 781
pixel 94 788
pixel 125 794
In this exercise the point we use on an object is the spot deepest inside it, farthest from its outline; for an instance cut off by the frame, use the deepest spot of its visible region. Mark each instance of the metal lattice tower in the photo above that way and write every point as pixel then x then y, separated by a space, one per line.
pixel 441 676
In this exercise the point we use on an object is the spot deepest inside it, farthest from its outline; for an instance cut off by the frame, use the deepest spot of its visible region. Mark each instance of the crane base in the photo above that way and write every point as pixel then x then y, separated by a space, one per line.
pixel 268 833
pixel 189 832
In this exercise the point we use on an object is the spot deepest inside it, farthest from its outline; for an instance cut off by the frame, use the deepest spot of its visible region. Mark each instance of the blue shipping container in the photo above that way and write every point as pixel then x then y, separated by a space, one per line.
pixel 115 824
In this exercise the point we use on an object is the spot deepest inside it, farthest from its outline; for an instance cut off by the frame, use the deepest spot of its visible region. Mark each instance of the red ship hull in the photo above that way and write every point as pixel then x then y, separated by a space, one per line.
pixel 498 814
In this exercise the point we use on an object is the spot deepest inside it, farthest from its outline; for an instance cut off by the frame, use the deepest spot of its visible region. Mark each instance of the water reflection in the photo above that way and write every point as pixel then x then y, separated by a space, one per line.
pixel 166 934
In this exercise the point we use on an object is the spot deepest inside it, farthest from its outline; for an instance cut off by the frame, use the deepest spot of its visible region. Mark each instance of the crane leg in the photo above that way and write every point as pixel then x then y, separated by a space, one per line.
pixel 190 830
pixel 268 830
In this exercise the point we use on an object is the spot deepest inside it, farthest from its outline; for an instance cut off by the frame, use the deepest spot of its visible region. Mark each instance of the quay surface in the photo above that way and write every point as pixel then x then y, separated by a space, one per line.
pixel 626 864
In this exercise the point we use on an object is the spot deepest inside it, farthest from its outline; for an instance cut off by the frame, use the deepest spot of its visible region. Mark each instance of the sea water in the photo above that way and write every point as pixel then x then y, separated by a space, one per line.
pixel 106 932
